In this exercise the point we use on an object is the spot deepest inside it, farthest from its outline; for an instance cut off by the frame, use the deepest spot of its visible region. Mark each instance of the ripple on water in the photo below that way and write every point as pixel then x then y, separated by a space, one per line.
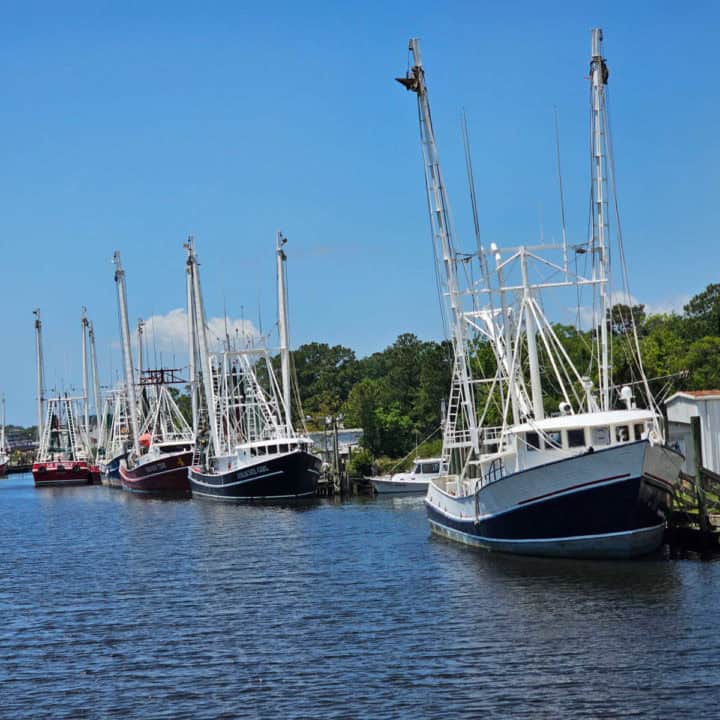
pixel 118 606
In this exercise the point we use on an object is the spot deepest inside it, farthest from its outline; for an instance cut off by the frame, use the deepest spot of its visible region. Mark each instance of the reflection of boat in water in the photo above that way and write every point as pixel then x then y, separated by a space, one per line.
pixel 595 479
pixel 416 481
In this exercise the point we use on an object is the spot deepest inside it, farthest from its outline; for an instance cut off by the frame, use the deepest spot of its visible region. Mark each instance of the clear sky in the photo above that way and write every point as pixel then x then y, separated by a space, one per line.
pixel 129 125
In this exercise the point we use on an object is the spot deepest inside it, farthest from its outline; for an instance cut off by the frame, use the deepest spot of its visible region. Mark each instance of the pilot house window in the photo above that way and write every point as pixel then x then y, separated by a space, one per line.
pixel 576 437
pixel 533 441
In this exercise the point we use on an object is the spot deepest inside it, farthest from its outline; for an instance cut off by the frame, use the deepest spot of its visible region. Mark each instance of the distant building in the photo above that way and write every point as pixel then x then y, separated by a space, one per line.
pixel 348 439
pixel 680 408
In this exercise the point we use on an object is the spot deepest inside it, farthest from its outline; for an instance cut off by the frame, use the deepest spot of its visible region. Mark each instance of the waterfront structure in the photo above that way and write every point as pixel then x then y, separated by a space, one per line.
pixel 574 469
pixel 680 408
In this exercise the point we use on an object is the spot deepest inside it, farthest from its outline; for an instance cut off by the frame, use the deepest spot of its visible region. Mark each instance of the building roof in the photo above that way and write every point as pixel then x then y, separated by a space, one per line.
pixel 695 395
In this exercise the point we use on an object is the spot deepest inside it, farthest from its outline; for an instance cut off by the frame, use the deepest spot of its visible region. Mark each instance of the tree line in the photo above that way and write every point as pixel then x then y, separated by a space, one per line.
pixel 396 394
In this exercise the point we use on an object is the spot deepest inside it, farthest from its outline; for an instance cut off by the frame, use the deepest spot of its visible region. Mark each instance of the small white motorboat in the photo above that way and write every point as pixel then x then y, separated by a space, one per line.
pixel 416 481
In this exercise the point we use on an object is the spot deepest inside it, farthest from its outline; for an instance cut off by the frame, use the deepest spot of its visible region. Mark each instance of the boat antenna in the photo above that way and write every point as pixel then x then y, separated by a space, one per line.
pixel 562 195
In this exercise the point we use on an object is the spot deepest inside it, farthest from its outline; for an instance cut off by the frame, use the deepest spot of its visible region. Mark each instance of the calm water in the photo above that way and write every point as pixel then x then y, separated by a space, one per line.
pixel 117 606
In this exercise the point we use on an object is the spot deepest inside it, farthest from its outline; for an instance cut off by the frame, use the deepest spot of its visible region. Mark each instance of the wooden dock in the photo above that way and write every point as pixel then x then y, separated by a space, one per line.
pixel 694 522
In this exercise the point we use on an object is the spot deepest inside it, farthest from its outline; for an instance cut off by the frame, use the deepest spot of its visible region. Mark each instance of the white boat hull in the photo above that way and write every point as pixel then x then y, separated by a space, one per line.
pixel 389 485
pixel 610 503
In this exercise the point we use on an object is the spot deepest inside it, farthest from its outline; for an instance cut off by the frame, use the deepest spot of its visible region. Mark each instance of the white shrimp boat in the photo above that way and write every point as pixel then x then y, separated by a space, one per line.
pixel 573 469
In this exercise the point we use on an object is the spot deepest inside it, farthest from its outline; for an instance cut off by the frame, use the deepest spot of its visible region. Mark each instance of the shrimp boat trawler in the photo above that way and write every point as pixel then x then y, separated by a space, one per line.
pixel 63 457
pixel 166 443
pixel 64 447
pixel 116 440
pixel 254 453
pixel 416 481
pixel 163 446
pixel 595 479
pixel 4 457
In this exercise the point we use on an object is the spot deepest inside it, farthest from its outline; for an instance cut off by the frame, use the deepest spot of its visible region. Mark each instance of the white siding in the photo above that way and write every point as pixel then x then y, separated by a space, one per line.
pixel 679 411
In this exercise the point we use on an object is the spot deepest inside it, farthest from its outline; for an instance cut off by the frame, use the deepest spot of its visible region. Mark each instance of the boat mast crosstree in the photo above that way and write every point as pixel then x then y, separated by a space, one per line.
pixel 589 479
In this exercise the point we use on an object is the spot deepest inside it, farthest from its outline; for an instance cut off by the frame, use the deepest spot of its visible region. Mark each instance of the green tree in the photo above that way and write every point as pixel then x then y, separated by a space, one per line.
pixel 703 312
pixel 703 364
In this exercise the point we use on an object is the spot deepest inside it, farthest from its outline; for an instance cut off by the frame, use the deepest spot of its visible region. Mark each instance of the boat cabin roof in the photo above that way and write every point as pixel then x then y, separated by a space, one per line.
pixel 583 420
pixel 429 460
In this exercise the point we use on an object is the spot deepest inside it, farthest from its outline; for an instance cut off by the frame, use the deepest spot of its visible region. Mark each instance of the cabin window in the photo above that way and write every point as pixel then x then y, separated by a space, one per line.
pixel 272 449
pixel 282 448
pixel 261 451
pixel 533 441
pixel 638 431
pixel 622 433
pixel 428 468
pixel 600 436
pixel 554 439
pixel 576 437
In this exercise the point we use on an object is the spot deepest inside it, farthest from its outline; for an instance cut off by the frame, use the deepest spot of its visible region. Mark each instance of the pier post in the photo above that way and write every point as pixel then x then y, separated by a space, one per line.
pixel 703 519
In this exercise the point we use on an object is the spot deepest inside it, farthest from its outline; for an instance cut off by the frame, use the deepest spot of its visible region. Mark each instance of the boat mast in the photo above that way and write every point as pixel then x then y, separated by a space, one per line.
pixel 127 350
pixel 598 78
pixel 199 310
pixel 86 392
pixel 283 325
pixel 531 333
pixel 442 239
pixel 2 427
pixel 140 326
pixel 39 360
pixel 96 389
pixel 192 345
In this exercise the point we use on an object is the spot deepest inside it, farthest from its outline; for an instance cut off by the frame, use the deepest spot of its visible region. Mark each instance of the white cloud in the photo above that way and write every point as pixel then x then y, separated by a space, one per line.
pixel 168 333
pixel 670 304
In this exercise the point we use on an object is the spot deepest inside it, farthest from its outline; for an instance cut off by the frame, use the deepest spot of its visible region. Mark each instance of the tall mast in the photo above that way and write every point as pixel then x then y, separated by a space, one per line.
pixel 283 326
pixel 97 400
pixel 203 346
pixel 39 360
pixel 442 239
pixel 2 427
pixel 192 344
pixel 127 350
pixel 86 391
pixel 140 326
pixel 531 332
pixel 598 78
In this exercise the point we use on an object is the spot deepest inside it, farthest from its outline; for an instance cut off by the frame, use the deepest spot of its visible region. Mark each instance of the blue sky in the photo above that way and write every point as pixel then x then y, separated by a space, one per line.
pixel 130 125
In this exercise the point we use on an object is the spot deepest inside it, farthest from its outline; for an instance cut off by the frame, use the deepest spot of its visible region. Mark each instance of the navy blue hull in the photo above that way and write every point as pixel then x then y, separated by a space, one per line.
pixel 289 476
pixel 112 469
pixel 625 506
